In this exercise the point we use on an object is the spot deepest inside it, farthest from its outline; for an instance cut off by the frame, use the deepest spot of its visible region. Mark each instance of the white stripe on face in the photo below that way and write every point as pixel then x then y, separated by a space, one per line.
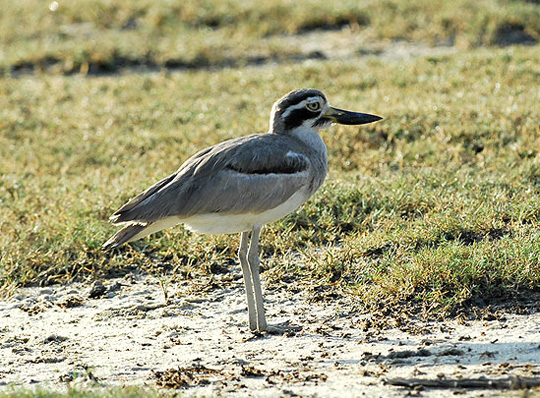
pixel 301 105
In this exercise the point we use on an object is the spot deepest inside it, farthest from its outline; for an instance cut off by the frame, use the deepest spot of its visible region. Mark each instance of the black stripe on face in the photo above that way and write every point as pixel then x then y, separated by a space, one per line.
pixel 323 122
pixel 297 96
pixel 298 116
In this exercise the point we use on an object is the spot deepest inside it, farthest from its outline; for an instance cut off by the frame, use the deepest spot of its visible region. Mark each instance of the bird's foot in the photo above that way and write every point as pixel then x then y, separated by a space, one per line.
pixel 284 328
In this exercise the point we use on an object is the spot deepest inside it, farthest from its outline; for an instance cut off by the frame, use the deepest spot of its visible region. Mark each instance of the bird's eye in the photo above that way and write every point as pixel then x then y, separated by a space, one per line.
pixel 313 106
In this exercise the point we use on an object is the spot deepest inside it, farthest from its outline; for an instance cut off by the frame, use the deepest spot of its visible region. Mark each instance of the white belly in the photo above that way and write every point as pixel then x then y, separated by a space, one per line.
pixel 217 223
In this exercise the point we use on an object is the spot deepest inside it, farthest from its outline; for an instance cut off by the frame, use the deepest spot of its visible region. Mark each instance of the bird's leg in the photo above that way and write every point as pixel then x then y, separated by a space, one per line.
pixel 254 262
pixel 248 280
pixel 252 280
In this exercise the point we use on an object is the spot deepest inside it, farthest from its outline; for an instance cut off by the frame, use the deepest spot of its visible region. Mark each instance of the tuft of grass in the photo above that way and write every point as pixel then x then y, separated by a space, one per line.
pixel 101 36
pixel 123 392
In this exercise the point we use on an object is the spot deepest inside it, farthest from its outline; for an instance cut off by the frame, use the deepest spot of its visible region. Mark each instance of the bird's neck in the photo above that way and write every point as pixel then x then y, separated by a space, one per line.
pixel 312 140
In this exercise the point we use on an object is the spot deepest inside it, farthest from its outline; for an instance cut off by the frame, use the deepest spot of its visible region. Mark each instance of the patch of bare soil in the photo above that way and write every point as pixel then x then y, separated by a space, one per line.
pixel 121 332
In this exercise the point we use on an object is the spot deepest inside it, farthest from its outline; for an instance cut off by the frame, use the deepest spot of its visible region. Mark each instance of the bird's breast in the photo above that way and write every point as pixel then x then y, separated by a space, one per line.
pixel 313 141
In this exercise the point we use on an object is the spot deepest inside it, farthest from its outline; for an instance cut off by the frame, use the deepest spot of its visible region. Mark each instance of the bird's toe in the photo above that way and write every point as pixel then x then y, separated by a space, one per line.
pixel 283 329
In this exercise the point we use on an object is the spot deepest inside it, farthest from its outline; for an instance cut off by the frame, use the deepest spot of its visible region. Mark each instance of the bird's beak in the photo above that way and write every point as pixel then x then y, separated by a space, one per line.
pixel 350 118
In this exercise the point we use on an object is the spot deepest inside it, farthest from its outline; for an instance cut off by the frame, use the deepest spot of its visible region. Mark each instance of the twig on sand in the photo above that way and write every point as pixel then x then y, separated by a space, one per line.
pixel 507 383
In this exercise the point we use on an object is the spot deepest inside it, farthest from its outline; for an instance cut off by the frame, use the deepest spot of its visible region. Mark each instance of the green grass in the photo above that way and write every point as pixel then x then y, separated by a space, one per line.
pixel 125 392
pixel 101 35
pixel 436 206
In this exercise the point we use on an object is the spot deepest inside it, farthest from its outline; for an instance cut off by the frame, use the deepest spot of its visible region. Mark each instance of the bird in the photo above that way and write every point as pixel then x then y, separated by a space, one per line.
pixel 239 185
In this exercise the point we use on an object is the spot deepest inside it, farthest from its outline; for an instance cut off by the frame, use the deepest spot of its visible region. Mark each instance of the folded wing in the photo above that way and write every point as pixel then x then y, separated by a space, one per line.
pixel 249 174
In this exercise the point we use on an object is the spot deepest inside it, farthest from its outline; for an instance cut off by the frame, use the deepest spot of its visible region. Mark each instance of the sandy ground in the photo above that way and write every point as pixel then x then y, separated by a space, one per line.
pixel 122 333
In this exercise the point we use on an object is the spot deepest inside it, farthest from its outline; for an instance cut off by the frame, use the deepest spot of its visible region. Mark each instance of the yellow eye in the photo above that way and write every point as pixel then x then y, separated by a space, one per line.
pixel 313 106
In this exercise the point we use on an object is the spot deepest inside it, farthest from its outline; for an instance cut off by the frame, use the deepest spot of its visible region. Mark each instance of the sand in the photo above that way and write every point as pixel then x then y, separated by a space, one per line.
pixel 121 332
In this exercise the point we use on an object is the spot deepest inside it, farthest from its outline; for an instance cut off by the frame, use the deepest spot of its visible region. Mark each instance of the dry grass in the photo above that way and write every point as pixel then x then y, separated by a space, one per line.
pixel 99 36
pixel 437 204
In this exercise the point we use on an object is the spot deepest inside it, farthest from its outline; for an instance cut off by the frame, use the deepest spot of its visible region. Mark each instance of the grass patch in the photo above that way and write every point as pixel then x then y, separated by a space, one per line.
pixel 124 392
pixel 101 36
pixel 436 205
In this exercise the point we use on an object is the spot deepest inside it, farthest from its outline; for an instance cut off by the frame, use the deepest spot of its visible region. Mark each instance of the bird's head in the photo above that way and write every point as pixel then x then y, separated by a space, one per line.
pixel 308 109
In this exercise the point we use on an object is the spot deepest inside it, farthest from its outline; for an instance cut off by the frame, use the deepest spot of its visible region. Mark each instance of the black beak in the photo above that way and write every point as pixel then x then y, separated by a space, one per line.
pixel 350 118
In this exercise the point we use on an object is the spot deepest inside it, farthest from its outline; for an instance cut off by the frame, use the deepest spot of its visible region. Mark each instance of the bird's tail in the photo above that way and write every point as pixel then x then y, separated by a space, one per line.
pixel 126 234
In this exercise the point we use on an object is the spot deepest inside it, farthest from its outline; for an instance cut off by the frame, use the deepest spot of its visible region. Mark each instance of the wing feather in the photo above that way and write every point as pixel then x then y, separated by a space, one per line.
pixel 248 174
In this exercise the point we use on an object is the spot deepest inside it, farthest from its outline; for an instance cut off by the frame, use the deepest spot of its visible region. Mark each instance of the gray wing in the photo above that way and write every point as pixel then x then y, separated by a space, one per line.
pixel 249 174
pixel 148 193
